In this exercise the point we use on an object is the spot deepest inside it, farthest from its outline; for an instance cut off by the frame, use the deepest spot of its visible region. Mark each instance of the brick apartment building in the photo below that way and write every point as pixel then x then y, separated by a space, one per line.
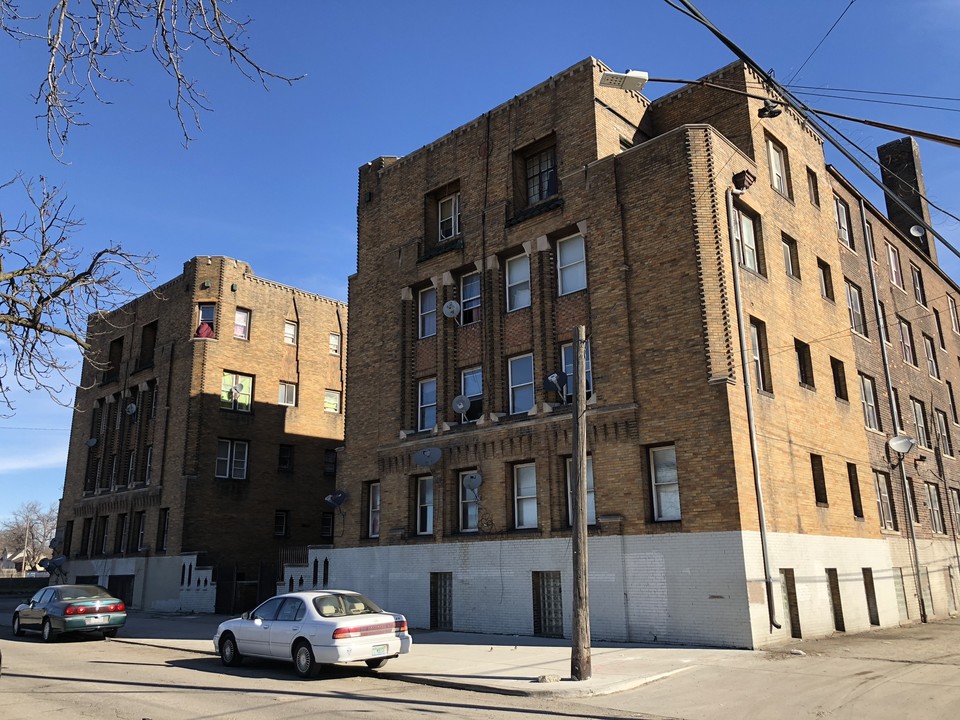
pixel 204 440
pixel 577 204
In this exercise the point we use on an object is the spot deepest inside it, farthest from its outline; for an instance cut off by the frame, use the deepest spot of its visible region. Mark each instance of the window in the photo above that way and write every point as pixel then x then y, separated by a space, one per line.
pixel 330 462
pixel 518 282
pixel 331 401
pixel 954 317
pixel 448 216
pixel 206 313
pixel 290 332
pixel 470 298
pixel 428 312
pixel 525 496
pixel 839 379
pixel 819 481
pixel 804 363
pixel 567 351
pixel 521 384
pixel 469 502
pixel 666 486
pixel 572 264
pixel 843 223
pixel 777 161
pixel 893 259
pixel 933 503
pixel 898 420
pixel 140 530
pixel 232 459
pixel 114 358
pixel 855 491
pixel 913 500
pixel 148 465
pixel 871 247
pixel 280 518
pixel 918 292
pixel 881 482
pixel 131 468
pixel 932 368
pixel 241 324
pixel 285 459
pixel 101 536
pixel 334 343
pixel 791 259
pixel 427 404
pixel 906 342
pixel 471 387
pixel 826 279
pixel 373 510
pixel 954 508
pixel 591 500
pixel 855 305
pixel 920 422
pixel 746 237
pixel 813 187
pixel 148 345
pixel 936 317
pixel 761 356
pixel 163 528
pixel 882 324
pixel 943 432
pixel 868 397
pixel 425 506
pixel 236 392
pixel 288 393
pixel 541 175
pixel 120 539
pixel 953 402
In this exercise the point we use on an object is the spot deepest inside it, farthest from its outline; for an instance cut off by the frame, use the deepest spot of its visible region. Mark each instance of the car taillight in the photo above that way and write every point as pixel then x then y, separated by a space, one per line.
pixel 400 625
pixel 346 632
pixel 120 607
pixel 76 610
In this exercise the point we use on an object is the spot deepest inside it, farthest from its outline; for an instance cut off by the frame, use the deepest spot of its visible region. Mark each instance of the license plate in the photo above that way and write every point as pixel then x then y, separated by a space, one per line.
pixel 379 649
pixel 97 620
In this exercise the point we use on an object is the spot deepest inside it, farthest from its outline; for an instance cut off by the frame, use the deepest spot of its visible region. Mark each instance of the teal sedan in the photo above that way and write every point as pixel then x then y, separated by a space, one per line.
pixel 59 609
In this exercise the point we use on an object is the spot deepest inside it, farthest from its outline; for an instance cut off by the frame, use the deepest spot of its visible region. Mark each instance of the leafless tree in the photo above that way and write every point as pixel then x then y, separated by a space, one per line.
pixel 30 528
pixel 49 288
pixel 85 38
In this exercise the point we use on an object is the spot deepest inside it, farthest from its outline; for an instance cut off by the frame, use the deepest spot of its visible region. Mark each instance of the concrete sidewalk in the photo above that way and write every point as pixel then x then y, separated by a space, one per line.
pixel 508 665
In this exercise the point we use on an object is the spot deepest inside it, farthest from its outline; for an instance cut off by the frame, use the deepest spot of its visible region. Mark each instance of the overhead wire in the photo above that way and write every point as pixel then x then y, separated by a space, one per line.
pixel 822 40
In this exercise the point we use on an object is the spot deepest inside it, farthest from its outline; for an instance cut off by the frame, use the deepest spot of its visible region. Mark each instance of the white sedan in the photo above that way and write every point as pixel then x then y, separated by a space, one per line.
pixel 314 628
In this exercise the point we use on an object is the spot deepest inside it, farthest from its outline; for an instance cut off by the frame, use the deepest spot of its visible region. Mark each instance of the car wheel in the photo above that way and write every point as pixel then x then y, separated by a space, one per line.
pixel 46 631
pixel 304 660
pixel 229 655
pixel 377 664
pixel 112 633
pixel 17 630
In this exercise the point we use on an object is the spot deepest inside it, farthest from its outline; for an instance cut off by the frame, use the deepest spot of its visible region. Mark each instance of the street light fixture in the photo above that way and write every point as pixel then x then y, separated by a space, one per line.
pixel 632 80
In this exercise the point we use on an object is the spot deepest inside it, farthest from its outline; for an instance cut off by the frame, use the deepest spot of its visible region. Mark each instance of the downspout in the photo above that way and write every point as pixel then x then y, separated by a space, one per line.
pixel 748 396
pixel 897 424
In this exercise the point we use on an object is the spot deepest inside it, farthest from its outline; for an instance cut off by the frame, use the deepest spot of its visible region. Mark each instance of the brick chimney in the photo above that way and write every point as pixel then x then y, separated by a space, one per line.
pixel 901 172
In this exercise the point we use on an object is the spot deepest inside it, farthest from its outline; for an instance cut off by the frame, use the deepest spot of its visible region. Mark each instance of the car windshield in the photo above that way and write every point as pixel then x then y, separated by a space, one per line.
pixel 342 605
pixel 83 592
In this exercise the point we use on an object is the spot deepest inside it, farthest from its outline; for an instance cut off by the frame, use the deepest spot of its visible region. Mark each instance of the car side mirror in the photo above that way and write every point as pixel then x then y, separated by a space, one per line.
pixel 245 616
pixel 258 621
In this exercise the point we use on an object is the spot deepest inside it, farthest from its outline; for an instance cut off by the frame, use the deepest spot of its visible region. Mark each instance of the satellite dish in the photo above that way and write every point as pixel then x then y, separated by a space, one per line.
pixel 917 231
pixel 461 403
pixel 556 381
pixel 237 389
pixel 901 444
pixel 451 309
pixel 131 409
pixel 91 442
pixel 426 457
pixel 471 481
pixel 336 499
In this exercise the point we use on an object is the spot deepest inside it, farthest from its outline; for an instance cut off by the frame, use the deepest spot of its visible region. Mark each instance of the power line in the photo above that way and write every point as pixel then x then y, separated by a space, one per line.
pixel 876 92
pixel 813 52
pixel 879 102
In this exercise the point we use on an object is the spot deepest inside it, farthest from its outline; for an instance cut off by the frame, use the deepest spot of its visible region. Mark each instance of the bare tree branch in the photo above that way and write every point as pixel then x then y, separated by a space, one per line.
pixel 49 289
pixel 84 37
pixel 29 528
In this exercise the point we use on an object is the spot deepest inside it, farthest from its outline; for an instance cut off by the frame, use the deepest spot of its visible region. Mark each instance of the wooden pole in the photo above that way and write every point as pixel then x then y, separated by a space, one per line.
pixel 580 664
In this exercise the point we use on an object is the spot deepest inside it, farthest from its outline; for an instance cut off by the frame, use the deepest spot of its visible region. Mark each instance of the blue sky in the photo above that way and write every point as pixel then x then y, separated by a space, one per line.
pixel 272 178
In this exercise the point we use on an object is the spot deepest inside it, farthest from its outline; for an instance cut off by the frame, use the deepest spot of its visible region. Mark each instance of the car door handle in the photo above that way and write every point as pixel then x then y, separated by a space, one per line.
pixel 295 629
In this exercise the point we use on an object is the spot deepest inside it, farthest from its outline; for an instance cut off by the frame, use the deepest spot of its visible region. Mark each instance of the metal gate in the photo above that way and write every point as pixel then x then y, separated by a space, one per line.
pixel 547 604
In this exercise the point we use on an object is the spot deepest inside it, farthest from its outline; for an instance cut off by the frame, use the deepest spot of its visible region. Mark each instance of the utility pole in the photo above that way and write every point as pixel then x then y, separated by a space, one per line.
pixel 580 664
pixel 26 544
